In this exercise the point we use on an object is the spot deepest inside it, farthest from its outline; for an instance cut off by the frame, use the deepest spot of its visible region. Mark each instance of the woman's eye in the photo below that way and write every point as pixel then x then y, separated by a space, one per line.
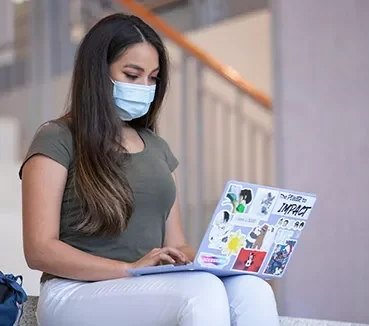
pixel 155 79
pixel 131 76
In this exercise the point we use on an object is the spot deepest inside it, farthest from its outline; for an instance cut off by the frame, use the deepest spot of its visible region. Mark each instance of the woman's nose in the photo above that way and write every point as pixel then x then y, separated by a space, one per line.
pixel 146 81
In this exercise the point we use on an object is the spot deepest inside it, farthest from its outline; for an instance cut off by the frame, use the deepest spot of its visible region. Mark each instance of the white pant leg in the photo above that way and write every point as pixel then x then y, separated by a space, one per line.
pixel 251 301
pixel 183 299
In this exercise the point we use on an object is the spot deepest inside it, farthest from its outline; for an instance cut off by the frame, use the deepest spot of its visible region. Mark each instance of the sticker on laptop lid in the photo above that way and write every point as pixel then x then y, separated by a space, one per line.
pixel 296 225
pixel 238 198
pixel 236 241
pixel 300 228
pixel 212 260
pixel 249 260
pixel 256 236
pixel 293 205
pixel 222 226
pixel 263 203
pixel 280 258
pixel 283 235
pixel 265 242
pixel 245 220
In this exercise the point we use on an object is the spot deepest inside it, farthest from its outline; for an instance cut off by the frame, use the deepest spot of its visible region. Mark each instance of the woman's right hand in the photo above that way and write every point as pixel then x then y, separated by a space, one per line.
pixel 158 256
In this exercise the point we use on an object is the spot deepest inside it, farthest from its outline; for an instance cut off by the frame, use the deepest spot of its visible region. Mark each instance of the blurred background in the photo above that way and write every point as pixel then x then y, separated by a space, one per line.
pixel 271 92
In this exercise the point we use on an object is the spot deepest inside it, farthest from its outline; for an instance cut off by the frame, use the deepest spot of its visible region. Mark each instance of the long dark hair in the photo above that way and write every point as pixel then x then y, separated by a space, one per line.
pixel 100 182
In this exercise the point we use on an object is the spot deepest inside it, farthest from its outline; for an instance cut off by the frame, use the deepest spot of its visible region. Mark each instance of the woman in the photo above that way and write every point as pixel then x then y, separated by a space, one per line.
pixel 99 198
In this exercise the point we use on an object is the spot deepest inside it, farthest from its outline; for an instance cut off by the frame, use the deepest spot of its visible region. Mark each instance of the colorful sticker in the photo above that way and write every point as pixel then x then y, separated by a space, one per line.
pixel 280 257
pixel 238 198
pixel 269 238
pixel 249 260
pixel 263 203
pixel 211 260
pixel 255 237
pixel 292 205
pixel 222 226
pixel 235 242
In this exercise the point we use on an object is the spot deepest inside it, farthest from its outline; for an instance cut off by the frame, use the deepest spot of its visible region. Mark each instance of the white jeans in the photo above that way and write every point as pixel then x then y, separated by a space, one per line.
pixel 183 299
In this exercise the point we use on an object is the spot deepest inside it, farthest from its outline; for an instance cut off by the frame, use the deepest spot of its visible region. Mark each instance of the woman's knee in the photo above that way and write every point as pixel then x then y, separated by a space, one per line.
pixel 204 292
pixel 204 285
pixel 251 300
pixel 258 288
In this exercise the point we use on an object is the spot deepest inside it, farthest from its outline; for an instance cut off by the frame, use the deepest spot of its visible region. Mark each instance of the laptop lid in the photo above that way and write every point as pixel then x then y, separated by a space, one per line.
pixel 255 229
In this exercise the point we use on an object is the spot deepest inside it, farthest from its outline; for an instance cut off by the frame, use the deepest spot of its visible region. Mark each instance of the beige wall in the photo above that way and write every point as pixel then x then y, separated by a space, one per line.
pixel 322 117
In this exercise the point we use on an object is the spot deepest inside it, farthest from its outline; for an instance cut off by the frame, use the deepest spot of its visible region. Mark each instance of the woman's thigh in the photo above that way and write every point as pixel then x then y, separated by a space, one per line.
pixel 185 299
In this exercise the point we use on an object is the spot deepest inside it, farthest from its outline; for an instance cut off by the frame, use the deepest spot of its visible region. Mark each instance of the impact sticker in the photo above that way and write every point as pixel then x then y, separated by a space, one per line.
pixel 211 260
pixel 235 242
pixel 280 257
pixel 249 260
pixel 238 198
pixel 292 205
pixel 263 203
pixel 222 226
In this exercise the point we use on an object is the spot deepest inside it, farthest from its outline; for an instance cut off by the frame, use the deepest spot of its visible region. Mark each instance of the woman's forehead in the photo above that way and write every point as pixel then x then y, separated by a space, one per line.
pixel 141 55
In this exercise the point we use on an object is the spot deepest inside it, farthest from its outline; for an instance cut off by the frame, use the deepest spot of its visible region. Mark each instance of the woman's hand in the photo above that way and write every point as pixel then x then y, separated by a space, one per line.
pixel 161 256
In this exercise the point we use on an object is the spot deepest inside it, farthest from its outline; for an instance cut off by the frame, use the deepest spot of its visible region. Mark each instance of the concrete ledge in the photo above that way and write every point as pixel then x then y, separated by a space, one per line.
pixel 29 318
pixel 288 321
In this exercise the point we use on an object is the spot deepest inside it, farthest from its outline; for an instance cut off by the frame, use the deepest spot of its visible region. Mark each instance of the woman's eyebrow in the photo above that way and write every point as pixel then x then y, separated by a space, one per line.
pixel 136 67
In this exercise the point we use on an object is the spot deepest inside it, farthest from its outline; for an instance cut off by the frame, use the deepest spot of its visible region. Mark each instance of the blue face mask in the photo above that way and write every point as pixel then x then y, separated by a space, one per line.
pixel 133 100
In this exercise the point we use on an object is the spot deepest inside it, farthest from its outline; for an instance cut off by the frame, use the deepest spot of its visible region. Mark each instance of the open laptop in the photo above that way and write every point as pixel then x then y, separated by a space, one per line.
pixel 254 230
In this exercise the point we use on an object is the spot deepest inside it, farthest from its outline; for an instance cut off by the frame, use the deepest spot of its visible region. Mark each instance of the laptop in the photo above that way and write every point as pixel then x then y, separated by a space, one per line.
pixel 254 230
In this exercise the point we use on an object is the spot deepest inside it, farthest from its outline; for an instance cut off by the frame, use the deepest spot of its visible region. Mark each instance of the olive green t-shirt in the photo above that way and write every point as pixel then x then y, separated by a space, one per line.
pixel 149 175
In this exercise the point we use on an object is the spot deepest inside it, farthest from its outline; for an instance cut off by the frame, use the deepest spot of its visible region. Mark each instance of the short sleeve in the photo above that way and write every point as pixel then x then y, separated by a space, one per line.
pixel 169 156
pixel 53 140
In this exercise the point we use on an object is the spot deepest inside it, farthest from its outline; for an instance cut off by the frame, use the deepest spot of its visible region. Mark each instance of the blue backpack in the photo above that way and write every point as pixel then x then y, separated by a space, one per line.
pixel 12 298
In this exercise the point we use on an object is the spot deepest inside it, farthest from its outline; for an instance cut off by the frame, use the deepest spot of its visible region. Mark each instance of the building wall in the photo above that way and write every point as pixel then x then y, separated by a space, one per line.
pixel 7 33
pixel 321 77
pixel 184 19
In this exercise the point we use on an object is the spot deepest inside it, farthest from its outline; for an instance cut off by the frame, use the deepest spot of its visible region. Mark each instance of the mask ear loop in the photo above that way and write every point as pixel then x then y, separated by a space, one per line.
pixel 147 114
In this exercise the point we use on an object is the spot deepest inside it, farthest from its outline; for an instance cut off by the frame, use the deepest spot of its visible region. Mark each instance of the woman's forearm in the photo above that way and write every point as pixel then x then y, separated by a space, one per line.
pixel 60 259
